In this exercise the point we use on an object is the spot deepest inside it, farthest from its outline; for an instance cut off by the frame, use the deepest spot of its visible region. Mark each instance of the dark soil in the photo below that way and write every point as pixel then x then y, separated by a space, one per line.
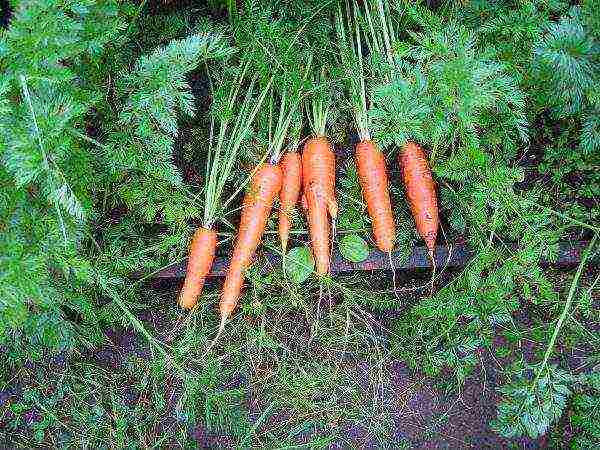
pixel 424 416
pixel 5 13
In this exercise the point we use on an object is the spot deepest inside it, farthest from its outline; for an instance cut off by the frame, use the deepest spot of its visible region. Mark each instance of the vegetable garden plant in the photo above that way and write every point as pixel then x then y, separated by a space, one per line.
pixel 135 133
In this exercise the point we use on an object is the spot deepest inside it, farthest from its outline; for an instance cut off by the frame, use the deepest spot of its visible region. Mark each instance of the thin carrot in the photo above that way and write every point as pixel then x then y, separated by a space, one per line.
pixel 291 166
pixel 373 177
pixel 420 191
pixel 318 224
pixel 201 257
pixel 318 170
pixel 258 201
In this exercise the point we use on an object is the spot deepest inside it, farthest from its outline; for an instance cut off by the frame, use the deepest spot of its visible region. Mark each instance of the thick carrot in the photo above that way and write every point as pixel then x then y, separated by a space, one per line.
pixel 258 201
pixel 201 256
pixel 318 179
pixel 291 166
pixel 420 190
pixel 373 177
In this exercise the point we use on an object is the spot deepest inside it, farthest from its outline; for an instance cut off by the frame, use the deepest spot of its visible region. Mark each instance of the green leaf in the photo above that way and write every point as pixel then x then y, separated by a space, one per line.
pixel 299 264
pixel 354 248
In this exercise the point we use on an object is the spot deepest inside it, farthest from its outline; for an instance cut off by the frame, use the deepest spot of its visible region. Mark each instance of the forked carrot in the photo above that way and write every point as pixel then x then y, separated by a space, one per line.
pixel 373 177
pixel 420 191
pixel 291 167
pixel 258 201
pixel 201 257
pixel 318 170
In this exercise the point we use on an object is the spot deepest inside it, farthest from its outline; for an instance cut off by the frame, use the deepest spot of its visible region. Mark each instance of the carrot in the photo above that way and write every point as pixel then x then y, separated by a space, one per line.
pixel 318 225
pixel 201 256
pixel 373 177
pixel 318 170
pixel 258 201
pixel 291 166
pixel 420 190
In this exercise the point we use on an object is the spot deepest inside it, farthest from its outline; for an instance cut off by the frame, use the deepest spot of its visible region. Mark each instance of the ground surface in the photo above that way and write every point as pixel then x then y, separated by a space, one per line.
pixel 136 400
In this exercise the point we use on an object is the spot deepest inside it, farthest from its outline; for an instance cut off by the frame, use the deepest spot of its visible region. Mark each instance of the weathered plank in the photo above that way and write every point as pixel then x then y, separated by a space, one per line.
pixel 569 254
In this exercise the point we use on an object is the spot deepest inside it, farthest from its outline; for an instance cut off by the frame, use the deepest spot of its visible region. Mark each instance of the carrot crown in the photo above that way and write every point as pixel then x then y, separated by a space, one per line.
pixel 319 104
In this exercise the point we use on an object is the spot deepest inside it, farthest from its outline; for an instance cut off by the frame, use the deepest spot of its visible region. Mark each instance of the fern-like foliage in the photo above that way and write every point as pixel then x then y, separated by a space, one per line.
pixel 141 140
pixel 272 44
pixel 531 406
pixel 586 413
pixel 447 94
pixel 58 183
pixel 567 58
pixel 566 67
pixel 46 198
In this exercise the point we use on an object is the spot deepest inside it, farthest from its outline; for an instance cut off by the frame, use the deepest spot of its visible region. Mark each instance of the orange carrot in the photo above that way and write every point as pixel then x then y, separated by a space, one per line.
pixel 201 256
pixel 318 177
pixel 318 224
pixel 420 190
pixel 258 201
pixel 372 174
pixel 291 166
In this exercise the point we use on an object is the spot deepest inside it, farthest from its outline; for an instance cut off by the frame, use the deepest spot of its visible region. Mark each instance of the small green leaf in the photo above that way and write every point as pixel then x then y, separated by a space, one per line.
pixel 299 264
pixel 354 248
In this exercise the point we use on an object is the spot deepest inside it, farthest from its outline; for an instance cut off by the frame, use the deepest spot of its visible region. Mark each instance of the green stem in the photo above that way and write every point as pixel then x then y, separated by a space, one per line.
pixel 564 216
pixel 565 310
pixel 38 135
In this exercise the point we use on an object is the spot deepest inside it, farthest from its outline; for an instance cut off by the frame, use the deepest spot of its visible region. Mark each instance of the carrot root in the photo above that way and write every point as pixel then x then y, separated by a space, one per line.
pixel 421 194
pixel 291 166
pixel 373 177
pixel 318 170
pixel 258 201
pixel 200 261
pixel 318 225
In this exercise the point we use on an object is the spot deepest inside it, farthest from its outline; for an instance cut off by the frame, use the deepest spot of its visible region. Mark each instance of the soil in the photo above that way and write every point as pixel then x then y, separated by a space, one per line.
pixel 424 416
pixel 5 13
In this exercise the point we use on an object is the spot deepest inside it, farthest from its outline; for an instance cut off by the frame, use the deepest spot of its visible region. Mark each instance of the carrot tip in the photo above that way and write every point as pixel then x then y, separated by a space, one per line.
pixel 222 324
pixel 431 252
pixel 186 303
pixel 219 331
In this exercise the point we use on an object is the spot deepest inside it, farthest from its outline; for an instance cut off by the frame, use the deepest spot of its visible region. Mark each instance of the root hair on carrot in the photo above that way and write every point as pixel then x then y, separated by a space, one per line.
pixel 393 269
pixel 218 335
